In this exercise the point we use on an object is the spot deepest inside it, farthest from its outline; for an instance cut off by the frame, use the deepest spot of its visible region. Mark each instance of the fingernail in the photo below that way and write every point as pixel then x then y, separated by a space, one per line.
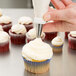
pixel 47 17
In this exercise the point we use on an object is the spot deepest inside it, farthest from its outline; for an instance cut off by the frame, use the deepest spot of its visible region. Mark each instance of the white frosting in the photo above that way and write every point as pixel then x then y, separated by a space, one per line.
pixel 5 19
pixel 40 8
pixel 0 12
pixel 31 34
pixel 37 50
pixel 18 28
pixel 57 41
pixel 73 33
pixel 25 20
pixel 1 29
pixel 4 37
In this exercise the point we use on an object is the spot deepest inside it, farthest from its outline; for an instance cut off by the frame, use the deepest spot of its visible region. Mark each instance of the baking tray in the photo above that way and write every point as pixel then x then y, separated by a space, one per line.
pixel 11 63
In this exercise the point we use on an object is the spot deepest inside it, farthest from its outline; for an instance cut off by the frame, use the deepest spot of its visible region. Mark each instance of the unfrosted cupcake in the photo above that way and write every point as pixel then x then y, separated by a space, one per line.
pixel 57 44
pixel 4 42
pixel 72 40
pixel 27 22
pixel 6 23
pixel 50 35
pixel 0 12
pixel 18 34
pixel 31 35
pixel 66 35
pixel 37 55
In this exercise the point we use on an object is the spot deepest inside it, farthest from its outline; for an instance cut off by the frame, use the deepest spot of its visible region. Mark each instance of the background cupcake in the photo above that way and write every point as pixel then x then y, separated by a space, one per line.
pixel 50 35
pixel 0 12
pixel 27 22
pixel 72 40
pixel 37 55
pixel 18 34
pixel 4 42
pixel 6 23
pixel 31 35
pixel 57 44
pixel 66 35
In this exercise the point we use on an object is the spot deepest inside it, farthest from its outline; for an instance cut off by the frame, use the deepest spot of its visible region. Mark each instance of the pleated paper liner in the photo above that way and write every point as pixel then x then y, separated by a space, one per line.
pixel 17 39
pixel 57 49
pixel 4 47
pixel 50 35
pixel 37 67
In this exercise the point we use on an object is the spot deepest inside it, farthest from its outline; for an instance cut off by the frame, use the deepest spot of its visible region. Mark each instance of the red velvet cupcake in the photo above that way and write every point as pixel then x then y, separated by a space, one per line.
pixel 50 35
pixel 27 22
pixel 6 23
pixel 18 34
pixel 66 35
pixel 31 35
pixel 72 40
pixel 4 42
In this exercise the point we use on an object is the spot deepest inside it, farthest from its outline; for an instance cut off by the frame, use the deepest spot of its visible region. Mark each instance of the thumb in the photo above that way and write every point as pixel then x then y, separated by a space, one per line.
pixel 56 15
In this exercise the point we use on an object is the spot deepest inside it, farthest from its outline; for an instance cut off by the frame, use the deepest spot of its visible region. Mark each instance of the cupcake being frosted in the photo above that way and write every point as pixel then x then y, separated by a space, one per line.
pixel 57 44
pixel 27 22
pixel 18 34
pixel 6 23
pixel 37 55
pixel 31 35
pixel 72 40
pixel 4 42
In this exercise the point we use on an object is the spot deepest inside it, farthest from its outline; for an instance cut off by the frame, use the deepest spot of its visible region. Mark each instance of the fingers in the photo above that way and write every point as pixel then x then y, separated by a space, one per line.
pixel 58 4
pixel 59 27
pixel 49 27
pixel 67 2
pixel 50 9
pixel 55 15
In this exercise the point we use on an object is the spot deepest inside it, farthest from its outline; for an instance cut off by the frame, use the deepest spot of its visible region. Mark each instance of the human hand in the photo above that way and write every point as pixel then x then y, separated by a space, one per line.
pixel 64 17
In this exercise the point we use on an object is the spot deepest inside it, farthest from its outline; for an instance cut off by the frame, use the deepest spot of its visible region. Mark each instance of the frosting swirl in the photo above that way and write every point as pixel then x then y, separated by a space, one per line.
pixel 73 33
pixel 4 37
pixel 31 34
pixel 57 41
pixel 5 19
pixel 37 50
pixel 18 28
pixel 1 29
pixel 25 20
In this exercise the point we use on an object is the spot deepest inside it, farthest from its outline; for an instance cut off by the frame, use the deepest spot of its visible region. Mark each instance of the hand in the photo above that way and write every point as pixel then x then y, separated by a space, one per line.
pixel 64 17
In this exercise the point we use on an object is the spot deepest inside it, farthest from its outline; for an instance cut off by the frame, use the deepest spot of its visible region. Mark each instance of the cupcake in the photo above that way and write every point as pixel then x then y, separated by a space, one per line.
pixel 6 23
pixel 31 35
pixel 72 40
pixel 50 35
pixel 4 42
pixel 57 44
pixel 66 35
pixel 37 55
pixel 0 12
pixel 27 22
pixel 18 34
pixel 1 29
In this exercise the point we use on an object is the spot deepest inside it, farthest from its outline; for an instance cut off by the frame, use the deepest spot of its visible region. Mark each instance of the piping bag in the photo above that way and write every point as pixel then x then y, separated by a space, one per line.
pixel 40 8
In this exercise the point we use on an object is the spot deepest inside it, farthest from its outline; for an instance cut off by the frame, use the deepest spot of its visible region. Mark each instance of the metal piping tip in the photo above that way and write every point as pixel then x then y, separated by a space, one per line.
pixel 39 30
